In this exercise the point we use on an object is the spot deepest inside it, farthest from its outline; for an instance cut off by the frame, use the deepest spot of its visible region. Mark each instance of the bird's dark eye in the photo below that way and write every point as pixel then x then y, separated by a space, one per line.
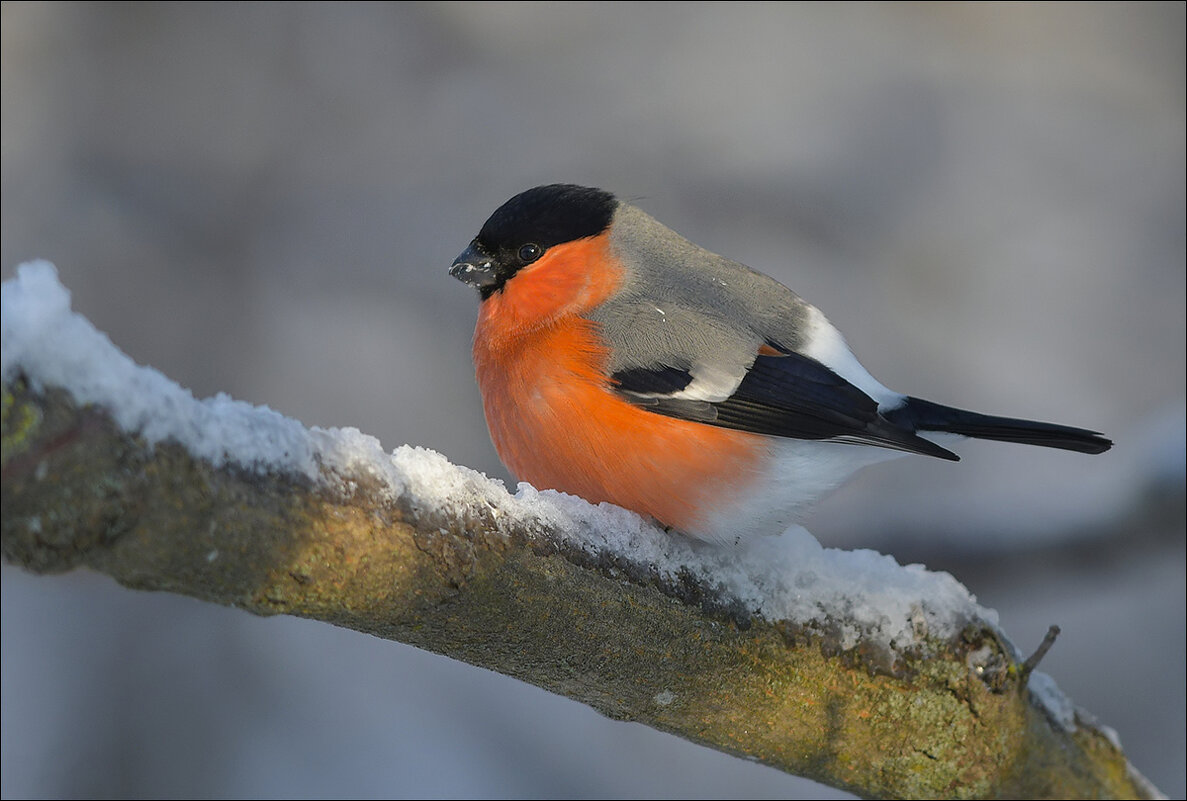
pixel 530 252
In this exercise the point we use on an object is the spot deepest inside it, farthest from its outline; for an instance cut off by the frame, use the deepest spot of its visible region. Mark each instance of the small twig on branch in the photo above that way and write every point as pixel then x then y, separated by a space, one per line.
pixel 1033 660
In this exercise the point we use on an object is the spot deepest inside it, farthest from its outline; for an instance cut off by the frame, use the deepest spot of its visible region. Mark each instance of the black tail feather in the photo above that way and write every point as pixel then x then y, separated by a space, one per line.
pixel 921 415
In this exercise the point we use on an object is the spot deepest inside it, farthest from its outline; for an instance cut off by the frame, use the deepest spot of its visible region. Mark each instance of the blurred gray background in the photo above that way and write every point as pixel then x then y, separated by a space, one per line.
pixel 264 200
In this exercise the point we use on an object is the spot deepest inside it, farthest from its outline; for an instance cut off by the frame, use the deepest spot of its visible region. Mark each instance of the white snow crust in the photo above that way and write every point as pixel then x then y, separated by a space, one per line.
pixel 855 594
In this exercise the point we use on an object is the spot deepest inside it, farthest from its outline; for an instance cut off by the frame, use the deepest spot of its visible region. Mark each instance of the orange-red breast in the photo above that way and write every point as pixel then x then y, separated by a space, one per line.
pixel 620 362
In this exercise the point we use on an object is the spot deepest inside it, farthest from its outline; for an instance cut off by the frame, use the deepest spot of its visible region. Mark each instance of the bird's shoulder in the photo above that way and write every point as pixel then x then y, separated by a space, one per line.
pixel 680 305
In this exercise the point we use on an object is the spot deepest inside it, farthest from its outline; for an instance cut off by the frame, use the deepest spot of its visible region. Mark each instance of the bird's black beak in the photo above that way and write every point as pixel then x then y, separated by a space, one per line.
pixel 475 267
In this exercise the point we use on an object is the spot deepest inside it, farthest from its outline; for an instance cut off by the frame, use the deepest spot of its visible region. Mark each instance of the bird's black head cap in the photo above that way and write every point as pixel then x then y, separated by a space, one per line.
pixel 526 226
pixel 548 215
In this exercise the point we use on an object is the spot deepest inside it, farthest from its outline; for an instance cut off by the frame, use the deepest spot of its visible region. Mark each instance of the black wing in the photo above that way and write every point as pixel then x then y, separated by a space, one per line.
pixel 789 395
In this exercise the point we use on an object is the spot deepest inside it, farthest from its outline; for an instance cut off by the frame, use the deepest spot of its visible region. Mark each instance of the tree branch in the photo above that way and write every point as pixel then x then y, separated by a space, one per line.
pixel 499 592
pixel 409 548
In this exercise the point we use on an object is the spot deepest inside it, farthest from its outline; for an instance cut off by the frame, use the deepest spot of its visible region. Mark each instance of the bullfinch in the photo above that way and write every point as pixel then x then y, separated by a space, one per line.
pixel 620 362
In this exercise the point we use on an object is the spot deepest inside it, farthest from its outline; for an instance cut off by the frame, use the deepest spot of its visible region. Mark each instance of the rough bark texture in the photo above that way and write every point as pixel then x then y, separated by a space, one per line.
pixel 488 589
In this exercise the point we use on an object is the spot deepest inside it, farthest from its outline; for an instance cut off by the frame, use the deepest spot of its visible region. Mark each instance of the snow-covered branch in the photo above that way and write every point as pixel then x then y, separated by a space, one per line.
pixel 841 666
